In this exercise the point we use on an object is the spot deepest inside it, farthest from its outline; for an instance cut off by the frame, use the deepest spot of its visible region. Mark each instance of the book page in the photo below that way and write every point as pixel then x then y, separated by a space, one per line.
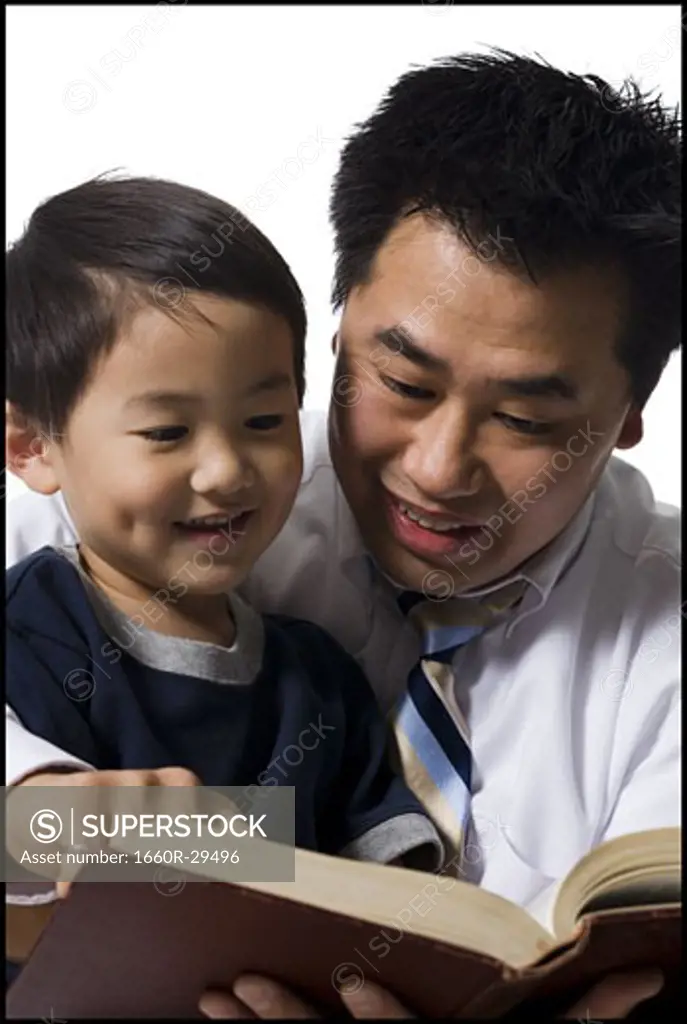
pixel 633 870
pixel 436 907
pixel 643 891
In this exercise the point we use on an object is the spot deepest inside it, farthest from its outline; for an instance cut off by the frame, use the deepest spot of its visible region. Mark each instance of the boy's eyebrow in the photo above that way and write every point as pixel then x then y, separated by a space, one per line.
pixel 161 398
pixel 550 385
pixel 273 382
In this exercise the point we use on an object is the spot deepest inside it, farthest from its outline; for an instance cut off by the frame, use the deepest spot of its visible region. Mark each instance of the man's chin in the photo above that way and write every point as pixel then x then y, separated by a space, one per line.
pixel 438 579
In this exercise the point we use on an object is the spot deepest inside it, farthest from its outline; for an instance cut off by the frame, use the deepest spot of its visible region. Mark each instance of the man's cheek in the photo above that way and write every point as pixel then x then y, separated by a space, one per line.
pixel 560 496
pixel 367 423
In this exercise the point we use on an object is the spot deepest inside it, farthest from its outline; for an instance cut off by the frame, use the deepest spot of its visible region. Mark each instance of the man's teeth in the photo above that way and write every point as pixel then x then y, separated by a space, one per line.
pixel 209 521
pixel 439 525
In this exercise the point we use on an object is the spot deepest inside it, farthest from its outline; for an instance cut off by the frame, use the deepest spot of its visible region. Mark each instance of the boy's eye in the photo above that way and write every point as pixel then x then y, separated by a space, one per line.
pixel 164 433
pixel 532 427
pixel 264 422
pixel 406 390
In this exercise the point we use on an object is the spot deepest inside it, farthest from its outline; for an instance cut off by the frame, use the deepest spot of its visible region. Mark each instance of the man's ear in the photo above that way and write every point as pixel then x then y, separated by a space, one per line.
pixel 29 452
pixel 335 342
pixel 632 430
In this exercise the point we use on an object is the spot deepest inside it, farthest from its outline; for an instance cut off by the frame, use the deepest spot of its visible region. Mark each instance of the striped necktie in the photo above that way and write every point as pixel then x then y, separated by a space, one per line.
pixel 431 734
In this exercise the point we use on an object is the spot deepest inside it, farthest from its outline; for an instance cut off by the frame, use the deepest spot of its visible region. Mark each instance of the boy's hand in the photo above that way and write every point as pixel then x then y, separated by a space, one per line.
pixel 24 924
pixel 110 783
pixel 138 777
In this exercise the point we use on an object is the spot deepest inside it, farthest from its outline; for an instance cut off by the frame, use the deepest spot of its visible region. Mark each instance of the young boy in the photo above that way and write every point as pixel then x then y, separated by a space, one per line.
pixel 155 374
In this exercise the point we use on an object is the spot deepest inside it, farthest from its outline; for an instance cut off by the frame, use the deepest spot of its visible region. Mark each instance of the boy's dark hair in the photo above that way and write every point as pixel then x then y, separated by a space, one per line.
pixel 88 251
pixel 502 146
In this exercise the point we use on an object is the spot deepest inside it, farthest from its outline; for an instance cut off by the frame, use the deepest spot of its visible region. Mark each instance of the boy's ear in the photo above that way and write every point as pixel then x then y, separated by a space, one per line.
pixel 335 343
pixel 29 452
pixel 632 429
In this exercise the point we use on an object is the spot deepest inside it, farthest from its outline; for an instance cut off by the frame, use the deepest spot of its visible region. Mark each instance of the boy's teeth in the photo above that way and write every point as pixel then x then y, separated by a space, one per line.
pixel 439 525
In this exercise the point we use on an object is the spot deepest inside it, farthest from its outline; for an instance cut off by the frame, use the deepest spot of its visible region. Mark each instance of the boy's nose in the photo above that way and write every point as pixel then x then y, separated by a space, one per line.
pixel 224 471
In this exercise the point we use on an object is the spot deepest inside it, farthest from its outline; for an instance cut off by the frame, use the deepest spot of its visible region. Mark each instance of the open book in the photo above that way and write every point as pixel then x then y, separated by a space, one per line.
pixel 119 949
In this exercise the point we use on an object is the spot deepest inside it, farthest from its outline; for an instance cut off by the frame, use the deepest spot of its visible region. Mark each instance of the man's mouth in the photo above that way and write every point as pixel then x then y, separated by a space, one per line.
pixel 431 522
pixel 429 533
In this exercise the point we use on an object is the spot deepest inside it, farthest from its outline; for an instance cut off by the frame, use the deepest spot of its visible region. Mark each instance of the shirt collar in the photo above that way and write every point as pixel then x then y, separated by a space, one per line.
pixel 542 571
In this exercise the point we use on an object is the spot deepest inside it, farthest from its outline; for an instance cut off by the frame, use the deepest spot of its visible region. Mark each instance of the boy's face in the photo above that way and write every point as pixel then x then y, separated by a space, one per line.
pixel 183 420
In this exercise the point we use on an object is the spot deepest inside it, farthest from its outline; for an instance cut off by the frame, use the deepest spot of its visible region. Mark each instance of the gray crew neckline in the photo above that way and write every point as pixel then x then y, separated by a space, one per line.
pixel 238 664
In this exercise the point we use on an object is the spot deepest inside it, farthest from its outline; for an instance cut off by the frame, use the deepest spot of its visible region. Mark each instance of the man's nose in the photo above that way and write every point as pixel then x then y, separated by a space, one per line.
pixel 440 460
pixel 224 470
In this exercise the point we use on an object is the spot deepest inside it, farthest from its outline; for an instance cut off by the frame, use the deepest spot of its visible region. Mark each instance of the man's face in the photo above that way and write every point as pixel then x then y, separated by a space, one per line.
pixel 472 411
pixel 184 420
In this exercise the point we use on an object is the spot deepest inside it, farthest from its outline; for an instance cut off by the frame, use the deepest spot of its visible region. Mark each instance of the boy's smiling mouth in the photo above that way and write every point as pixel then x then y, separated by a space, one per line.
pixel 230 525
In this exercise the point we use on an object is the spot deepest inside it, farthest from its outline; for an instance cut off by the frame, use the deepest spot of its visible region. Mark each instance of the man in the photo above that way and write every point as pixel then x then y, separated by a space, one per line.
pixel 507 242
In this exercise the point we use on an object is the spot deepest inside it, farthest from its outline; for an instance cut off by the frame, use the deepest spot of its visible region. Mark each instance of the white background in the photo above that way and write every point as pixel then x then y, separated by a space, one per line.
pixel 232 99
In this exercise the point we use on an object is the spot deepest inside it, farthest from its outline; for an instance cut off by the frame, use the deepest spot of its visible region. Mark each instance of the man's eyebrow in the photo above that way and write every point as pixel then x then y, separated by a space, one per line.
pixel 553 385
pixel 400 343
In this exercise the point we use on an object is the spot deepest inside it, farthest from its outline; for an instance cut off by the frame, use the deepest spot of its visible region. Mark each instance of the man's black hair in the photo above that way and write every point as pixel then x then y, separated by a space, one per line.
pixel 96 252
pixel 502 146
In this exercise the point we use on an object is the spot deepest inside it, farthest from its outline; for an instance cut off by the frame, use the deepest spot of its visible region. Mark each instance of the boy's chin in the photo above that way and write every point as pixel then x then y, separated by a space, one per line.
pixel 220 585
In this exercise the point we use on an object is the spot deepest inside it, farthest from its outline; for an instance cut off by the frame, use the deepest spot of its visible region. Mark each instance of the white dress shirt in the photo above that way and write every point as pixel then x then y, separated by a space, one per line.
pixel 573 703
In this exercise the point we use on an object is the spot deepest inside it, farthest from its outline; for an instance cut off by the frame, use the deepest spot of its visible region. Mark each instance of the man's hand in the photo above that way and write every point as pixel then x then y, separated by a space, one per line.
pixel 615 996
pixel 260 998
pixel 257 998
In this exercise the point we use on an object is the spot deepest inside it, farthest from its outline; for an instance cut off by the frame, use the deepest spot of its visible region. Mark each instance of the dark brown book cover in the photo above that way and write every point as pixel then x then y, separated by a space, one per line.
pixel 127 950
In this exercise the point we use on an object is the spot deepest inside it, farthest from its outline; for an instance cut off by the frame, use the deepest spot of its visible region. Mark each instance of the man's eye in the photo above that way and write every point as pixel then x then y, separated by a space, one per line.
pixel 532 427
pixel 164 433
pixel 264 422
pixel 406 390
